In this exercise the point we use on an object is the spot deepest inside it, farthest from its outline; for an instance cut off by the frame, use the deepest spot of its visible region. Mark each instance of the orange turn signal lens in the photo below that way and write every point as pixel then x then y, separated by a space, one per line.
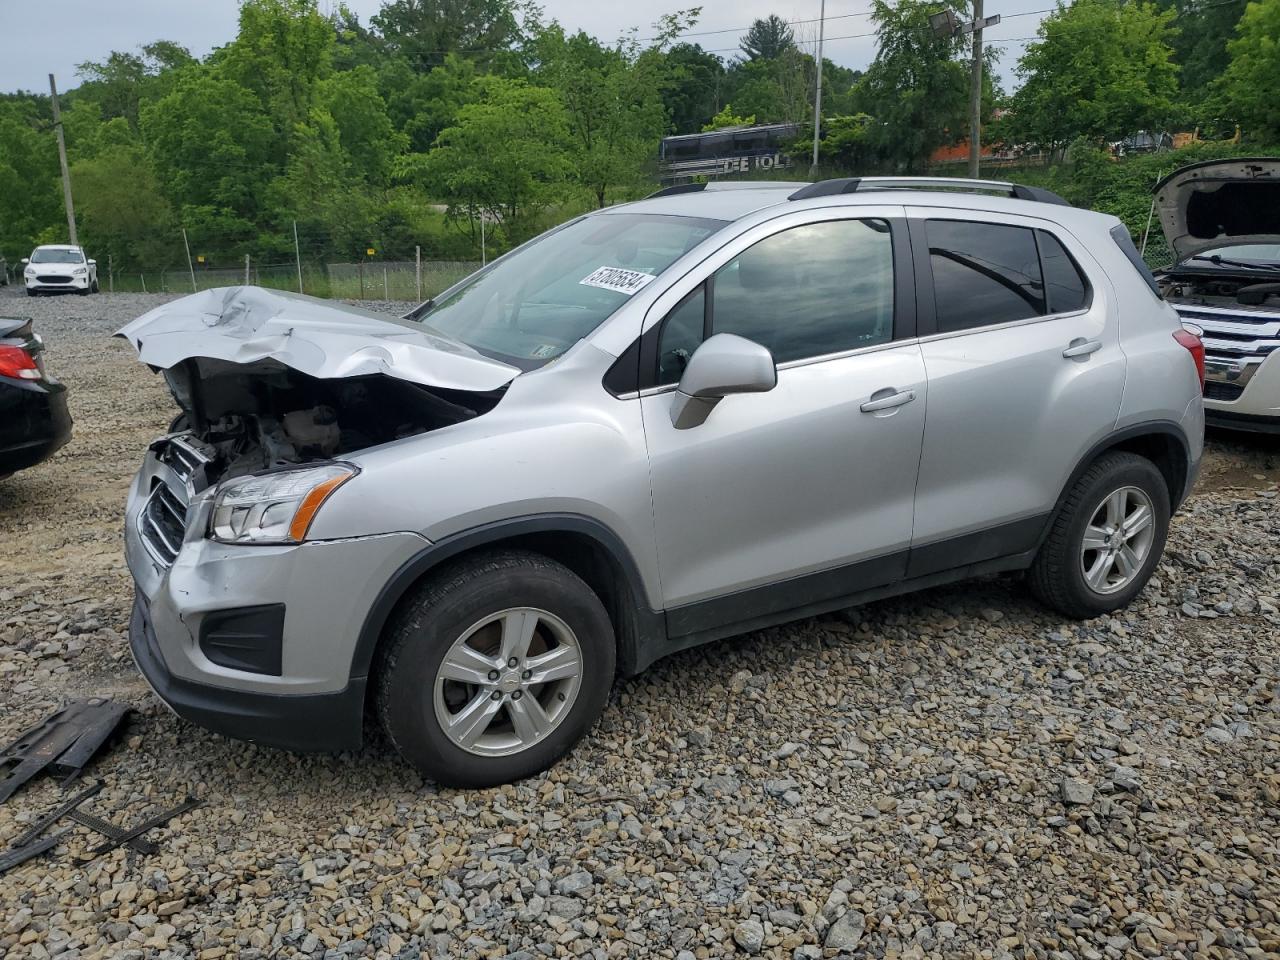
pixel 311 505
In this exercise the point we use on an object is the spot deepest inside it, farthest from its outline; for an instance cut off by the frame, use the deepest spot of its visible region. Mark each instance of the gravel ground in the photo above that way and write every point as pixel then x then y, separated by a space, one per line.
pixel 956 773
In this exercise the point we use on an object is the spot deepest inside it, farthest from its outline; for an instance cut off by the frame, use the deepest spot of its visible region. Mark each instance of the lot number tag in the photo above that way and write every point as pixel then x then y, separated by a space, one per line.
pixel 617 279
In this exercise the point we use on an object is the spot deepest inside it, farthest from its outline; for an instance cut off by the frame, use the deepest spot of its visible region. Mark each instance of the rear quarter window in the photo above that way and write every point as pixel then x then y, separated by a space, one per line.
pixel 1122 239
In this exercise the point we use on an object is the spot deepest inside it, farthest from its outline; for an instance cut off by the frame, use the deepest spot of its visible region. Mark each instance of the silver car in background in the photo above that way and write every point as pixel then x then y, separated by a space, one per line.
pixel 719 408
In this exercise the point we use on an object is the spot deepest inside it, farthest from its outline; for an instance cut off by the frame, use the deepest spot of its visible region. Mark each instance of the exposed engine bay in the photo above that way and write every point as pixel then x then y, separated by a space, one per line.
pixel 246 418
pixel 1219 291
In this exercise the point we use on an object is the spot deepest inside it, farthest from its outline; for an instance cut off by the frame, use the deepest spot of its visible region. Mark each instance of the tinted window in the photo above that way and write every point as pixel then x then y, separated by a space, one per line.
pixel 681 334
pixel 1065 286
pixel 983 273
pixel 812 290
pixel 1121 236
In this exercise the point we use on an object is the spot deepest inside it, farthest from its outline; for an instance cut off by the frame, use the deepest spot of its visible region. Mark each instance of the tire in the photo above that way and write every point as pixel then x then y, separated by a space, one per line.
pixel 440 615
pixel 94 288
pixel 30 292
pixel 1058 576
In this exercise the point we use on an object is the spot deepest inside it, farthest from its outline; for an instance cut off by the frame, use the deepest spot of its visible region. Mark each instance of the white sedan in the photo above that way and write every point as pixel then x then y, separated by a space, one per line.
pixel 56 267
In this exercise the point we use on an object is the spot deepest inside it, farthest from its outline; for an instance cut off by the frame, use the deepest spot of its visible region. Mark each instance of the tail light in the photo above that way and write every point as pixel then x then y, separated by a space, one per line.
pixel 1189 337
pixel 18 363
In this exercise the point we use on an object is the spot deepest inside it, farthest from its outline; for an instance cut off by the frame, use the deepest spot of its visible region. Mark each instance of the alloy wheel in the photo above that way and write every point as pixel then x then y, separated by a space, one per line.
pixel 508 681
pixel 1117 540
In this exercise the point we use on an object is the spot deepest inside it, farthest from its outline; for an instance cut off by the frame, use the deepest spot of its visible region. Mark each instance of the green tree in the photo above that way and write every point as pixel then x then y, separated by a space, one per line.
pixel 507 158
pixel 1101 69
pixel 767 38
pixel 612 98
pixel 692 94
pixel 727 118
pixel 1252 79
pixel 120 207
pixel 30 195
pixel 366 135
pixel 916 88
pixel 426 31
pixel 1202 29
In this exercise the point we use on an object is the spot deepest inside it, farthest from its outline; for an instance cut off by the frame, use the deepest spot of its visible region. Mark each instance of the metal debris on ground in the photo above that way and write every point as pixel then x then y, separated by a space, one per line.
pixel 63 743
pixel 29 843
pixel 129 834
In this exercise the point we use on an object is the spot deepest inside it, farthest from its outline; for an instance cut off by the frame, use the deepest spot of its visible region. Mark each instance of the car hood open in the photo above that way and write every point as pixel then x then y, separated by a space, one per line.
pixel 321 338
pixel 1219 202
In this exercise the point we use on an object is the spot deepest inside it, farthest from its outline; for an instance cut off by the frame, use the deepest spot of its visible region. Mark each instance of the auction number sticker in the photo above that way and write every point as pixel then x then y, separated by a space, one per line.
pixel 617 279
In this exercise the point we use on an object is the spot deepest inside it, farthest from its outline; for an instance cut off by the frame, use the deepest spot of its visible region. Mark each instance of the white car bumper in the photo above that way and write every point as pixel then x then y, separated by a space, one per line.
pixel 53 282
pixel 1243 394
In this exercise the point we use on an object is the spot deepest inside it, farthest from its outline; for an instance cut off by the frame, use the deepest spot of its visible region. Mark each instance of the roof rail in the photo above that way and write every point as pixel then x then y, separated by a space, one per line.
pixel 831 188
pixel 719 185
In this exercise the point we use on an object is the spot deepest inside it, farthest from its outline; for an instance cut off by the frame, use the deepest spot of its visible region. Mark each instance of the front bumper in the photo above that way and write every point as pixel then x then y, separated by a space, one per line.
pixel 70 283
pixel 322 722
pixel 34 422
pixel 200 623
pixel 1243 395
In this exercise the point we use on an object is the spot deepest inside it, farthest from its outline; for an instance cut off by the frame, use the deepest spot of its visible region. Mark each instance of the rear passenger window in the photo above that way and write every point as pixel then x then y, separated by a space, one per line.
pixel 1065 286
pixel 983 273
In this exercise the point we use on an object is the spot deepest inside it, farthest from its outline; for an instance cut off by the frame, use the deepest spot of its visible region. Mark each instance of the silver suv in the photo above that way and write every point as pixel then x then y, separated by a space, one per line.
pixel 657 425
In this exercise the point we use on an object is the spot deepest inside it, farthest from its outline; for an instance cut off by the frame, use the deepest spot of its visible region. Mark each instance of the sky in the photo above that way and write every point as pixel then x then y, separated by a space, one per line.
pixel 88 30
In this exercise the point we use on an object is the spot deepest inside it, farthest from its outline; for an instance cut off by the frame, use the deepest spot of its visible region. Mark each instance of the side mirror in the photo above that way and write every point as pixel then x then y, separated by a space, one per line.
pixel 724 364
pixel 25 261
pixel 93 263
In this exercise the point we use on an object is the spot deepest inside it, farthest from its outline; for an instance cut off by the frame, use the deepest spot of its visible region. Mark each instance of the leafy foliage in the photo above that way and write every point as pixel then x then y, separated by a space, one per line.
pixel 1102 68
pixel 1252 78
pixel 768 39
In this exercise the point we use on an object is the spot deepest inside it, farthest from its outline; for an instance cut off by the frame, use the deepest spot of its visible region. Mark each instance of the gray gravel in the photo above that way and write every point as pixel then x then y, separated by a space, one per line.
pixel 957 773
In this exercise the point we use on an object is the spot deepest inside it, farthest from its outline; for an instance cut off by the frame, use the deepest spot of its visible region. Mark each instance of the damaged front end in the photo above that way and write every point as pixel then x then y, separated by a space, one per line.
pixel 269 383
pixel 243 622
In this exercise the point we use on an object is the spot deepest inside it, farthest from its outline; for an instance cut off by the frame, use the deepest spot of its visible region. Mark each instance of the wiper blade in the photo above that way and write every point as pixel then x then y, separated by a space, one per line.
pixel 1218 261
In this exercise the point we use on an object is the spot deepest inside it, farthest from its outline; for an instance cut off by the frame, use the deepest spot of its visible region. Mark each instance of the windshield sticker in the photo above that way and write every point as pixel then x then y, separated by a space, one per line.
pixel 617 279
pixel 544 350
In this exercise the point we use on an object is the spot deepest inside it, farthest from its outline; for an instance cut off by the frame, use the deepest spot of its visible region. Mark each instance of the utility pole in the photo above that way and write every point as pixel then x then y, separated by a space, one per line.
pixel 945 23
pixel 417 269
pixel 246 269
pixel 817 94
pixel 297 254
pixel 191 268
pixel 62 159
pixel 975 94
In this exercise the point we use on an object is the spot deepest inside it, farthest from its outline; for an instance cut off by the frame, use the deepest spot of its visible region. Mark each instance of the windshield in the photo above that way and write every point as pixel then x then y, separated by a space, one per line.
pixel 534 305
pixel 1262 253
pixel 43 255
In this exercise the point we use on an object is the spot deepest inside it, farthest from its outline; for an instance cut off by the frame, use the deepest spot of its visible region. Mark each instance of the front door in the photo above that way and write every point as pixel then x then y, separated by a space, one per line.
pixel 781 501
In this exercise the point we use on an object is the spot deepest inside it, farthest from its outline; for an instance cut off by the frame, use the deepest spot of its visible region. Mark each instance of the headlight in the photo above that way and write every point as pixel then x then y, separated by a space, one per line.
pixel 274 507
pixel 80 271
pixel 29 272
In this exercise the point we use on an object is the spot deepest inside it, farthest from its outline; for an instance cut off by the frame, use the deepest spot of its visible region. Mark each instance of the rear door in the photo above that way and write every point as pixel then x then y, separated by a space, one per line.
pixel 1022 354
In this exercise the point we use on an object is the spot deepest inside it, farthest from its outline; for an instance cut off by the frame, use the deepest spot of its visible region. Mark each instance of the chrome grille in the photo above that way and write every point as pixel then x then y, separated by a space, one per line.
pixel 1236 341
pixel 162 522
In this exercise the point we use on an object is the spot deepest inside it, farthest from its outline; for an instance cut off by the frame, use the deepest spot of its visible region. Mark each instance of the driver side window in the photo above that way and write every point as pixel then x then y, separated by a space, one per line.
pixel 811 290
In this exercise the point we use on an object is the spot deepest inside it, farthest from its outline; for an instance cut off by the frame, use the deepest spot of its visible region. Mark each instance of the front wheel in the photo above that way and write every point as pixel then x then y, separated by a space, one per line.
pixel 1106 540
pixel 494 669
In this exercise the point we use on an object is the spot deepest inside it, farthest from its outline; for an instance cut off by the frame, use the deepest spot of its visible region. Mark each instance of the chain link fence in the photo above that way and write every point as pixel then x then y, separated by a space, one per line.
pixel 365 280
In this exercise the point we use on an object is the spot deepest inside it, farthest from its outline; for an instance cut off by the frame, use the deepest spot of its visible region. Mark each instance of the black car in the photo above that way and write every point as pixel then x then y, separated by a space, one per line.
pixel 34 421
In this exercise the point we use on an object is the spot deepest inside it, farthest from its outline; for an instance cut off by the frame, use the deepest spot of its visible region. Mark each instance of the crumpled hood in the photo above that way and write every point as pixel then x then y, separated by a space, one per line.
pixel 321 338
pixel 1220 202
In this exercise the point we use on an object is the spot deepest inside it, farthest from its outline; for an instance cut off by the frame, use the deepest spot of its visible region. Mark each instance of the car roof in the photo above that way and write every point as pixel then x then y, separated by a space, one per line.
pixel 58 246
pixel 735 200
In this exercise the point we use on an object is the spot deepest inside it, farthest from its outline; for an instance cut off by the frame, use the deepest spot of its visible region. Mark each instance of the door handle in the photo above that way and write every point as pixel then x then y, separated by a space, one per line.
pixel 1080 347
pixel 889 402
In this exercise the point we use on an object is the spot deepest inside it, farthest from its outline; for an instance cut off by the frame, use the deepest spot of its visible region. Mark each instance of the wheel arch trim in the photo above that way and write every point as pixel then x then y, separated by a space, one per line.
pixel 1166 429
pixel 631 642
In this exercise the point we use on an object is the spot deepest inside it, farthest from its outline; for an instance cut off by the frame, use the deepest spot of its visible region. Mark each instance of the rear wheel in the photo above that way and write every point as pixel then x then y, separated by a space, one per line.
pixel 494 669
pixel 1106 540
